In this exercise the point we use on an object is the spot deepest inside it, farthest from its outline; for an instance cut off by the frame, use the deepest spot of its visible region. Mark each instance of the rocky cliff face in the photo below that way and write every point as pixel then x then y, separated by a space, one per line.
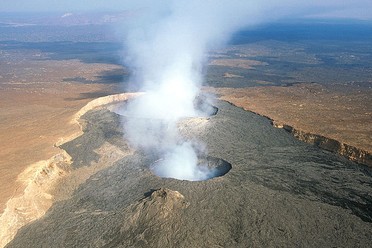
pixel 334 117
pixel 353 153
pixel 350 152
pixel 37 198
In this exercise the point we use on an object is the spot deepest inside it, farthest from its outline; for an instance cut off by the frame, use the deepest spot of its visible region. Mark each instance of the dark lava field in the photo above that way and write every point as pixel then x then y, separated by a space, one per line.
pixel 280 192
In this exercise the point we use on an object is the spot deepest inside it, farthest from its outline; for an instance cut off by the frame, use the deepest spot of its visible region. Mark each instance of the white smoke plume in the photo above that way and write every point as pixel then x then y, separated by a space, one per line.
pixel 167 50
pixel 166 47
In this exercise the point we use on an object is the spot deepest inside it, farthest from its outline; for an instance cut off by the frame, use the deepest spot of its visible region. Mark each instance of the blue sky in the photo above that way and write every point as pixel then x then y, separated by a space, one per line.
pixel 357 9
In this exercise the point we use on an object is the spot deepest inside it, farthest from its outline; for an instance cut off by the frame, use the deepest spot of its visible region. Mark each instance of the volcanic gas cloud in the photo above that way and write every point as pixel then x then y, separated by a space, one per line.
pixel 167 48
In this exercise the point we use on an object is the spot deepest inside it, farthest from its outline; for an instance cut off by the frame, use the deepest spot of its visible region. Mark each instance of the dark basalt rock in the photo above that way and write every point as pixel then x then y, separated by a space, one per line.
pixel 279 192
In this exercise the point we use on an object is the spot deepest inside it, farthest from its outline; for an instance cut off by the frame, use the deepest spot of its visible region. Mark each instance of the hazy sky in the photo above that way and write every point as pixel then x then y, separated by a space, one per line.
pixel 360 9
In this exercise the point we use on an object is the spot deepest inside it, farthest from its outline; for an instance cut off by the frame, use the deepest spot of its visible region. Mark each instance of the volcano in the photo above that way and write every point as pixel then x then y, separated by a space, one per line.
pixel 278 192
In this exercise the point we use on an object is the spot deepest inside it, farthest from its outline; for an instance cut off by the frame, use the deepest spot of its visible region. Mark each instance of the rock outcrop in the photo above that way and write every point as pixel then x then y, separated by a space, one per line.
pixel 40 179
pixel 350 152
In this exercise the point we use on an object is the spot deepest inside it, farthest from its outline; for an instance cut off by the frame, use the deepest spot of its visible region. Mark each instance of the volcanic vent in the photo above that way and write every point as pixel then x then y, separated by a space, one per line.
pixel 206 168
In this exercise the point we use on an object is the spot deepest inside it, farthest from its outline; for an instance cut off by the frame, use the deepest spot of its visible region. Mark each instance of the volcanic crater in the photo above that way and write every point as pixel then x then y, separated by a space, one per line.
pixel 202 105
pixel 208 168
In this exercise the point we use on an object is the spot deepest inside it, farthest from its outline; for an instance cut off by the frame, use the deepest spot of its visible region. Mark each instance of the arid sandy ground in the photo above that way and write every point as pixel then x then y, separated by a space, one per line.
pixel 340 112
pixel 36 107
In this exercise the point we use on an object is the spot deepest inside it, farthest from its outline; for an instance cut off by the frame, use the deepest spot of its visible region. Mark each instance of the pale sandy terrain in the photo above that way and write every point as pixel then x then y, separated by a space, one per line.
pixel 36 108
pixel 31 122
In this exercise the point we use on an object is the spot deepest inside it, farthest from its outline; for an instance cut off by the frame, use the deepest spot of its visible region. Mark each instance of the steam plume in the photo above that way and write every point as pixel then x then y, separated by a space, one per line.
pixel 167 49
